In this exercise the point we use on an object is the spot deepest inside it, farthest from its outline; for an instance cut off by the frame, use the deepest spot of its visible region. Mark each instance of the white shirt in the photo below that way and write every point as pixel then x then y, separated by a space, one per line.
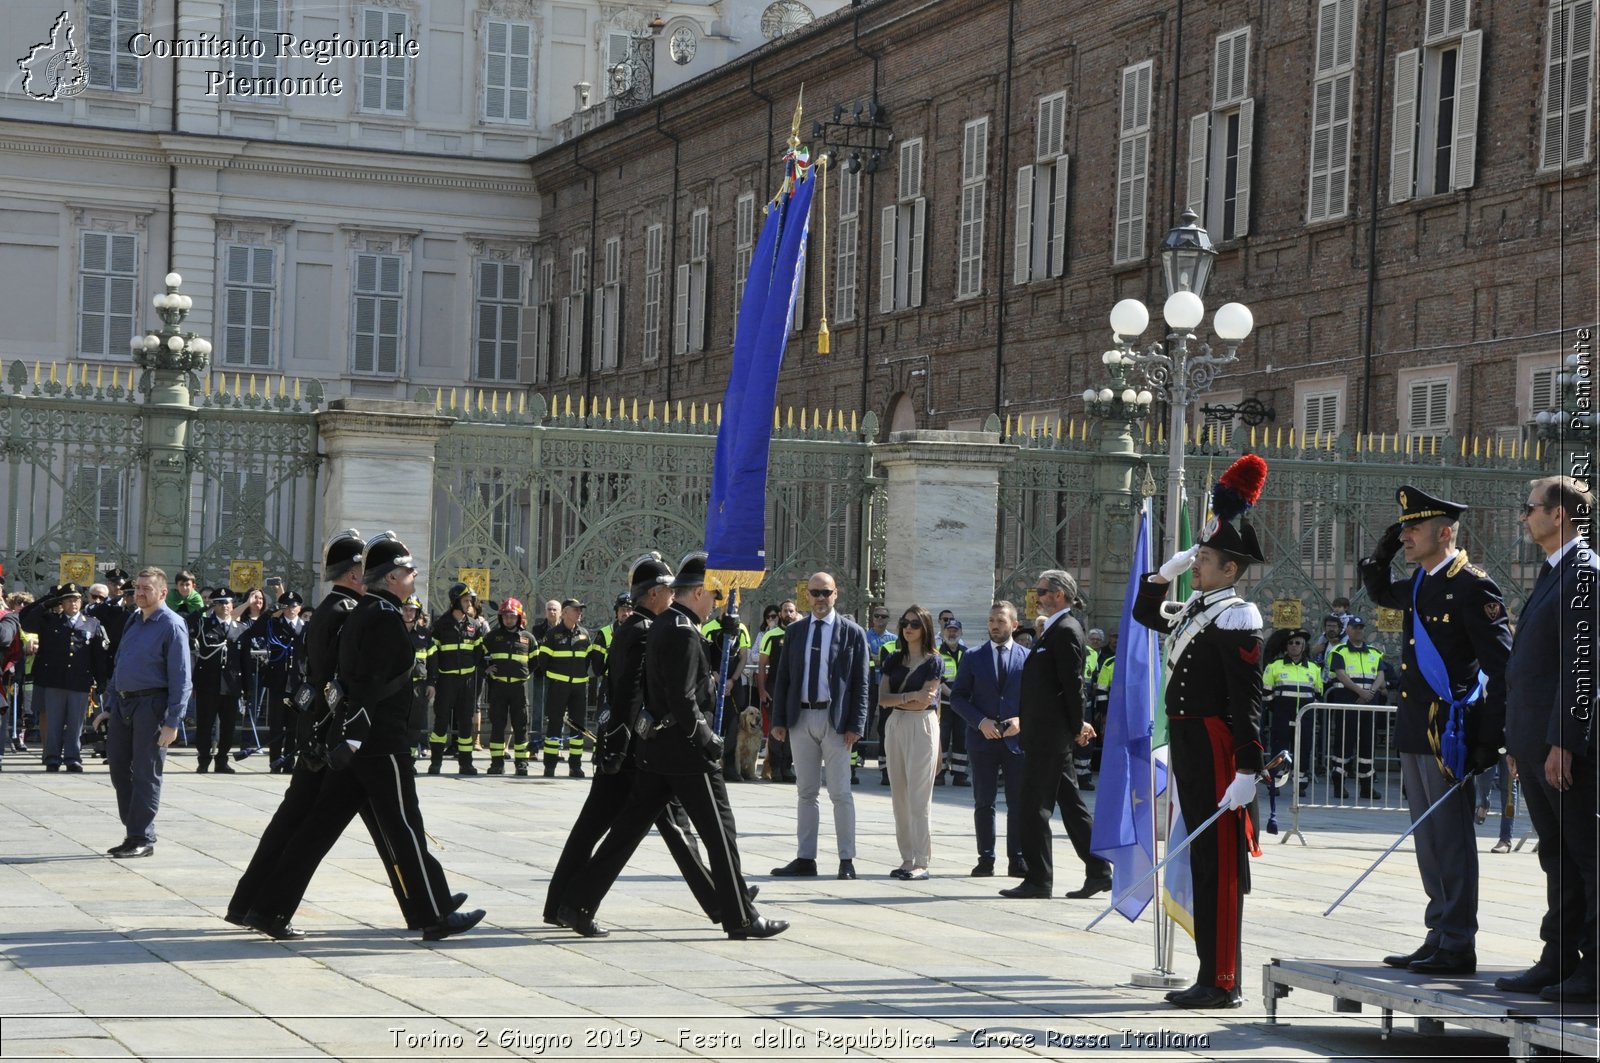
pixel 1561 551
pixel 1057 615
pixel 1451 556
pixel 821 632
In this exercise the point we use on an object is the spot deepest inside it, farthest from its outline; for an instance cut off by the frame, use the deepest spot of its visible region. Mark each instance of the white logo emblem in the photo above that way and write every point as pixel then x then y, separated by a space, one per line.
pixel 54 70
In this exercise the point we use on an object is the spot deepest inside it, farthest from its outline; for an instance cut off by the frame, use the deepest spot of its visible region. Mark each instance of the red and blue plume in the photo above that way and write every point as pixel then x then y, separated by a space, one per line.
pixel 1239 487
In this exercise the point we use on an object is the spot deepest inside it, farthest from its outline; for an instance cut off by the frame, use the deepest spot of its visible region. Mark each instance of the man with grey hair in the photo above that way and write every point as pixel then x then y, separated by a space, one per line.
pixel 1050 724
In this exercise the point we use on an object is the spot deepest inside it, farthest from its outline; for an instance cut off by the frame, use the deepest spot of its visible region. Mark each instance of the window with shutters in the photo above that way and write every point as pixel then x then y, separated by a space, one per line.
pixel 1568 84
pixel 1435 126
pixel 108 306
pixel 110 63
pixel 1220 143
pixel 1428 411
pixel 1541 392
pixel 744 242
pixel 569 344
pixel 689 295
pixel 903 227
pixel 1319 414
pixel 654 260
pixel 258 22
pixel 1133 163
pixel 385 80
pixel 379 292
pixel 249 286
pixel 608 308
pixel 499 322
pixel 1040 252
pixel 844 291
pixel 543 301
pixel 105 489
pixel 1332 108
pixel 974 200
pixel 507 72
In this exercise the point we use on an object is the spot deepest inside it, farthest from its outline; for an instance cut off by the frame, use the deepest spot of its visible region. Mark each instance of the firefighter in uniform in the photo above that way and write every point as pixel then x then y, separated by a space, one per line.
pixel 1355 677
pixel 1287 684
pixel 457 659
pixel 422 677
pixel 508 655
pixel 565 662
pixel 1451 719
pixel 215 645
pixel 1213 703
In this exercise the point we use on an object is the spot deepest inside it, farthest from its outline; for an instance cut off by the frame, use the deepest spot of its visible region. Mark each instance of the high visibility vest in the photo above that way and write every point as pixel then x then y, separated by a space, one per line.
pixel 1293 683
pixel 1362 667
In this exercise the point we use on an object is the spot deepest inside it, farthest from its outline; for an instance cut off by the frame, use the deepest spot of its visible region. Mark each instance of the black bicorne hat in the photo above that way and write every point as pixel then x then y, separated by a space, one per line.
pixel 1239 543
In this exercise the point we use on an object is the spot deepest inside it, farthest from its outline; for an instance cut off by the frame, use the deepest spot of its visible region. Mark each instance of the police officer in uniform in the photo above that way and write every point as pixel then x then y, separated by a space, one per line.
pixel 1355 677
pixel 565 662
pixel 457 659
pixel 508 652
pixel 74 655
pixel 216 682
pixel 679 755
pixel 280 677
pixel 422 677
pixel 1455 624
pixel 1288 683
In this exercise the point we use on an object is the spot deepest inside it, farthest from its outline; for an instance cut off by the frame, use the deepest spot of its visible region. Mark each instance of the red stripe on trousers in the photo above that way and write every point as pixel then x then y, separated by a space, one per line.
pixel 1227 842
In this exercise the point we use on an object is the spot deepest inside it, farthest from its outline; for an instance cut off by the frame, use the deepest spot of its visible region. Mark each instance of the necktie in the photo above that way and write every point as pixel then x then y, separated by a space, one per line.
pixel 1000 669
pixel 814 671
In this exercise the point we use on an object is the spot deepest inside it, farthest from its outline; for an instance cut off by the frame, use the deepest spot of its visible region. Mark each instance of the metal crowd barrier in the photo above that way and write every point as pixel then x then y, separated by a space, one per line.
pixel 1323 731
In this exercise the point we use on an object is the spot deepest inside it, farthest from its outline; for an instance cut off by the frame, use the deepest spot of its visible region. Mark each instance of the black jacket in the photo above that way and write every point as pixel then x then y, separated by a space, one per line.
pixel 374 651
pixel 285 664
pixel 321 638
pixel 1549 677
pixel 74 653
pixel 624 699
pixel 1051 708
pixel 216 656
pixel 680 695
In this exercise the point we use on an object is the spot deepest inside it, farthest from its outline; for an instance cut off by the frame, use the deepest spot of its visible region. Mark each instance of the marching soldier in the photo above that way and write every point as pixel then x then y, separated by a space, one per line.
pixel 508 653
pixel 457 659
pixel 1289 683
pixel 422 677
pixel 565 662
pixel 1355 677
pixel 216 682
pixel 74 655
pixel 1451 718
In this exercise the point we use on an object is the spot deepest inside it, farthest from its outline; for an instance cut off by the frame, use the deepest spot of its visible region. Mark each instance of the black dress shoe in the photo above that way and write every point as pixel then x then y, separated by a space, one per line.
pixel 134 850
pixel 52 767
pixel 1447 961
pixel 1017 869
pixel 120 846
pixel 799 867
pixel 74 767
pixel 959 779
pixel 901 873
pixel 580 921
pixel 1406 959
pixel 454 905
pixel 276 927
pixel 759 927
pixel 847 869
pixel 1203 996
pixel 1027 891
pixel 985 868
pixel 454 923
pixel 752 893
pixel 1578 989
pixel 224 768
pixel 1091 886
pixel 1534 980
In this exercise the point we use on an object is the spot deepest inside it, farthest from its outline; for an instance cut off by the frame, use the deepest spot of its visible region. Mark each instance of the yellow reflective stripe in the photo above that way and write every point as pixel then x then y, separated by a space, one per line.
pixel 509 678
pixel 509 656
pixel 563 653
pixel 567 678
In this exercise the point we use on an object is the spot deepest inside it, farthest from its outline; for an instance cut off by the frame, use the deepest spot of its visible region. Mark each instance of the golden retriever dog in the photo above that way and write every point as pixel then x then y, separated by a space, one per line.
pixel 748 743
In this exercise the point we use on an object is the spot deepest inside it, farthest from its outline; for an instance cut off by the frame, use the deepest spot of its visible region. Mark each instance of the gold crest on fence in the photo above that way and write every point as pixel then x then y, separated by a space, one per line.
pixel 1390 620
pixel 477 579
pixel 1288 612
pixel 77 568
pixel 245 575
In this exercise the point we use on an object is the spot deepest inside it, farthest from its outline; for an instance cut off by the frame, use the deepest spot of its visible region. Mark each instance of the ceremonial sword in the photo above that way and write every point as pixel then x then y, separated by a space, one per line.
pixel 1415 824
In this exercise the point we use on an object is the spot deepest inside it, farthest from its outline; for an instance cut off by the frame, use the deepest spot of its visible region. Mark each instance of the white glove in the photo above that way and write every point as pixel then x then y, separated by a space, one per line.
pixel 1241 791
pixel 1179 563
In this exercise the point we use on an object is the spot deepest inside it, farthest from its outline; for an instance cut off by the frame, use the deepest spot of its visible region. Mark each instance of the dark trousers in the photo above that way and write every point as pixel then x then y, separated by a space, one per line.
pixel 214 709
pixel 386 782
pixel 1351 734
pixel 705 799
pixel 1203 766
pixel 952 740
pixel 508 703
pixel 299 801
pixel 135 759
pixel 454 699
pixel 562 700
pixel 1447 852
pixel 988 757
pixel 1048 782
pixel 1565 821
pixel 281 723
pixel 608 797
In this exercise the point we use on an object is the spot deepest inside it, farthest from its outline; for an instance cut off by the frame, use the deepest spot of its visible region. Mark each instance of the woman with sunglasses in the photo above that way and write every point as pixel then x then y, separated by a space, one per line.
pixel 909 695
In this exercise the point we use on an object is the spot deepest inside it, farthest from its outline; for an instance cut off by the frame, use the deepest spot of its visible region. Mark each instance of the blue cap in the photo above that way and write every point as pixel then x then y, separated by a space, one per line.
pixel 1356 621
pixel 953 623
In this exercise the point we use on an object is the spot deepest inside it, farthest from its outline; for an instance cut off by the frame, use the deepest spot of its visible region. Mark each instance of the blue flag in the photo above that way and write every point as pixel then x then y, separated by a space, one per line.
pixel 736 516
pixel 1124 808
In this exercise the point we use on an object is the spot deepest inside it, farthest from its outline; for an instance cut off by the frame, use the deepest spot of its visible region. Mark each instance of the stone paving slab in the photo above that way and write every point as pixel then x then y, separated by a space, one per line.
pixel 130 959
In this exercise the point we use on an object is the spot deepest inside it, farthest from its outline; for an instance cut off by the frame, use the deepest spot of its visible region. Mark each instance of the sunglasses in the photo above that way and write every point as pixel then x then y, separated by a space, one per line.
pixel 910 621
pixel 880 616
pixel 821 593
pixel 1529 507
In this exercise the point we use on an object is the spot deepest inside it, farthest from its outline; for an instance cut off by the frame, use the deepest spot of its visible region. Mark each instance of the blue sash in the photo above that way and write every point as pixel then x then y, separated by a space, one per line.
pixel 1453 741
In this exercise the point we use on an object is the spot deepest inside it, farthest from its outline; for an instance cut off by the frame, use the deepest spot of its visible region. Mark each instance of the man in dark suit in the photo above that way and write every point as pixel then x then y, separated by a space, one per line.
pixel 819 704
pixel 1049 723
pixel 988 694
pixel 1454 608
pixel 1550 736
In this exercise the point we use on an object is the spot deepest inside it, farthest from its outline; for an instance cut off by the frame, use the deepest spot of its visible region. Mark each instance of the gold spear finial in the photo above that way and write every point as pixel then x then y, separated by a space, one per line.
pixel 799 109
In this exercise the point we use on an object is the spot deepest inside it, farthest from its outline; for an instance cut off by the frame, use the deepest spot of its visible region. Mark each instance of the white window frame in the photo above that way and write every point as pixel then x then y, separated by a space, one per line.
pixel 508 72
pixel 974 203
pixel 1319 394
pixel 1332 110
pixel 543 300
pixel 845 260
pixel 1221 142
pixel 569 353
pixel 108 64
pixel 1569 84
pixel 108 294
pixel 497 320
pixel 689 301
pixel 1133 163
pixel 1422 84
pixel 258 21
pixel 376 298
pixel 1040 250
pixel 247 311
pixel 654 262
pixel 379 75
pixel 608 307
pixel 902 245
pixel 1433 378
pixel 744 243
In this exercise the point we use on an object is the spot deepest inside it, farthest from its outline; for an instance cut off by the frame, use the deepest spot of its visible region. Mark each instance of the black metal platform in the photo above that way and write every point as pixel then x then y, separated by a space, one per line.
pixel 1526 1022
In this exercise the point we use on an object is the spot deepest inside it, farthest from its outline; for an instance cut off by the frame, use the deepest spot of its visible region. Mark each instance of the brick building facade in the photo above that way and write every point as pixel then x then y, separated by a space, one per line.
pixel 1403 192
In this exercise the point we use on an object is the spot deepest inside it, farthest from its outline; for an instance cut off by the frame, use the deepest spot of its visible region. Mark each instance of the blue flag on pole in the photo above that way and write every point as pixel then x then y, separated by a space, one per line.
pixel 1124 809
pixel 736 516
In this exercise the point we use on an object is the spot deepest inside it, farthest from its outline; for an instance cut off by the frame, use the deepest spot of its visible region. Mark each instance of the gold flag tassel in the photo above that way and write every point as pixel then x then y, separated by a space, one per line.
pixel 823 340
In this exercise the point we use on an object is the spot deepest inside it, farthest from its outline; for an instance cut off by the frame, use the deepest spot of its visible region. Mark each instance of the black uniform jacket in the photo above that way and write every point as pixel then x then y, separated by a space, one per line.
pixel 321 636
pixel 374 651
pixel 216 656
pixel 74 652
pixel 680 693
pixel 1219 673
pixel 1466 619
pixel 1052 689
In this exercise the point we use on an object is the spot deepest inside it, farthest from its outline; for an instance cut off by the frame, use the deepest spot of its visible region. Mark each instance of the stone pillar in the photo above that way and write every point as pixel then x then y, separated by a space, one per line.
pixel 380 472
pixel 1115 521
pixel 943 502
pixel 166 481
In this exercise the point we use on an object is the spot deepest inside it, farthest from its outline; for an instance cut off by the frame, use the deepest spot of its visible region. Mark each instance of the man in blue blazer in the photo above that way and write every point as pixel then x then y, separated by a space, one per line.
pixel 1550 736
pixel 819 704
pixel 988 693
